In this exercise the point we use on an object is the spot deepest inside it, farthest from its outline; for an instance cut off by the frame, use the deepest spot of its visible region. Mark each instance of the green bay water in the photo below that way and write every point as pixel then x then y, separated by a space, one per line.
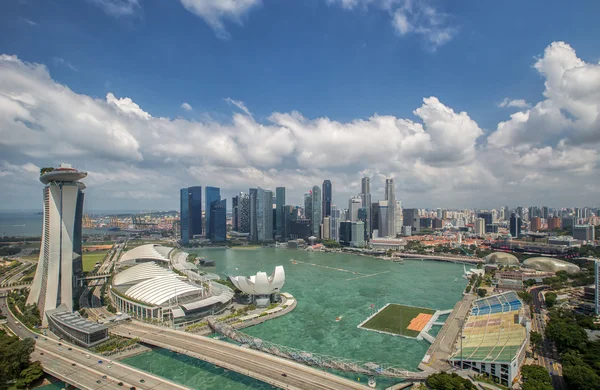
pixel 326 285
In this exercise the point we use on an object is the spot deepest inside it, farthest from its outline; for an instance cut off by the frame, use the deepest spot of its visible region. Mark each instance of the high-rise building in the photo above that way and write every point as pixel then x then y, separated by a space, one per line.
pixel 253 195
pixel 365 195
pixel 195 210
pixel 184 216
pixel 354 204
pixel 60 250
pixel 399 217
pixel 308 202
pixel 488 218
pixel 535 224
pixel 345 233
pixel 235 214
pixel 334 223
pixel 390 196
pixel 545 212
pixel 280 212
pixel 357 232
pixel 597 283
pixel 584 232
pixel 212 194
pixel 412 218
pixel 382 223
pixel 515 225
pixel 317 214
pixel 554 223
pixel 326 206
pixel 264 215
pixel 438 213
pixel 244 213
pixel 480 227
pixel 326 228
pixel 568 222
pixel 218 221
pixel 374 217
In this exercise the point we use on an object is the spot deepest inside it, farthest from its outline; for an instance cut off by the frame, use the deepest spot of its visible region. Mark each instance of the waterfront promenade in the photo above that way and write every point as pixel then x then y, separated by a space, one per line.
pixel 270 369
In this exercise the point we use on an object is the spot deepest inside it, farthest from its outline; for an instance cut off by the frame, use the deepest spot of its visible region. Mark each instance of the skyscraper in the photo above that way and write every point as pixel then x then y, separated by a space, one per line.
pixel 390 196
pixel 184 216
pixel 264 215
pixel 212 194
pixel 354 204
pixel 218 221
pixel 326 206
pixel 326 228
pixel 382 223
pixel 253 214
pixel 334 223
pixel 412 218
pixel 597 283
pixel 515 225
pixel 235 213
pixel 60 251
pixel 317 213
pixel 308 202
pixel 365 195
pixel 535 224
pixel 195 209
pixel 244 212
pixel 280 219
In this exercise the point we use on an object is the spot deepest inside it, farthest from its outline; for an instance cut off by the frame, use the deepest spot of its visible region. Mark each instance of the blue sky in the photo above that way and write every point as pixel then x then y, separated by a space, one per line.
pixel 340 61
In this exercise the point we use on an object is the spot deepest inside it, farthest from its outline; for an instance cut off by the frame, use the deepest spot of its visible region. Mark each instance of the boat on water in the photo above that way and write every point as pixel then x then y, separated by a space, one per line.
pixel 338 319
pixel 372 382
pixel 399 261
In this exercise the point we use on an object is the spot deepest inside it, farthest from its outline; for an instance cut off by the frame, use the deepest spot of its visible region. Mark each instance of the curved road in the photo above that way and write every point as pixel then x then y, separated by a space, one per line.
pixel 273 370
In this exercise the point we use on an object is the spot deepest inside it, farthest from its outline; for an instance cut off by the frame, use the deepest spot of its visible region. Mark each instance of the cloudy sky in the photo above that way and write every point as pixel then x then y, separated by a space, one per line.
pixel 465 104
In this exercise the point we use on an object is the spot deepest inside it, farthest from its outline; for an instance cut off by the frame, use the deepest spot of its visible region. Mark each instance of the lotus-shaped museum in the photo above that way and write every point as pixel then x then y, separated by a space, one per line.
pixel 260 284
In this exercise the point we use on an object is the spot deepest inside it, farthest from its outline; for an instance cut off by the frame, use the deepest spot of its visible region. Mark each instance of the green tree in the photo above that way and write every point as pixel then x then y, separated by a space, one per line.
pixel 566 334
pixel 550 299
pixel 482 292
pixel 444 381
pixel 30 375
pixel 536 340
pixel 14 355
pixel 535 378
pixel 525 297
pixel 581 377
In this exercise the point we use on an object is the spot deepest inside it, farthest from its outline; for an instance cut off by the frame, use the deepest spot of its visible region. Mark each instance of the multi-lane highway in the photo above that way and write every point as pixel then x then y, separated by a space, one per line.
pixel 84 369
pixel 547 354
pixel 278 372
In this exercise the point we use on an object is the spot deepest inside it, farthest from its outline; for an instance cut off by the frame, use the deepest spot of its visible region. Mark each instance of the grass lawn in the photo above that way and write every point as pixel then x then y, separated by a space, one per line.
pixel 32 257
pixel 90 259
pixel 395 319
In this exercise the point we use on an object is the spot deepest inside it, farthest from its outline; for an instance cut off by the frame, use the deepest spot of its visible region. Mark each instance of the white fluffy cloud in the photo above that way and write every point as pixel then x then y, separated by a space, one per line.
pixel 186 106
pixel 439 156
pixel 516 103
pixel 214 11
pixel 117 7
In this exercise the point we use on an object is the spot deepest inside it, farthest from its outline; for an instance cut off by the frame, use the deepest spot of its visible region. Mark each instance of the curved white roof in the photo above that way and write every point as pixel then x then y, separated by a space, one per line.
pixel 501 258
pixel 550 264
pixel 146 252
pixel 159 290
pixel 260 284
pixel 139 273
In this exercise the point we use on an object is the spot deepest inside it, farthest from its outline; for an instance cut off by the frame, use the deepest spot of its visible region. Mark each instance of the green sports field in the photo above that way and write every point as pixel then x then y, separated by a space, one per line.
pixel 395 319
pixel 90 259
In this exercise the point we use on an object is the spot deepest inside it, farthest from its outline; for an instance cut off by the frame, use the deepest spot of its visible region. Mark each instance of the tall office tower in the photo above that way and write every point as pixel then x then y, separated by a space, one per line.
pixel 264 215
pixel 334 223
pixel 390 196
pixel 382 212
pixel 326 228
pixel 438 213
pixel 308 202
pixel 253 195
pixel 374 217
pixel 545 212
pixel 597 282
pixel 519 212
pixel 411 218
pixel 184 216
pixel 357 233
pixel 480 227
pixel 494 215
pixel 502 215
pixel 60 251
pixel 317 213
pixel 365 195
pixel 399 217
pixel 584 233
pixel 195 210
pixel 218 221
pixel 235 213
pixel 488 218
pixel 535 224
pixel 515 225
pixel 354 204
pixel 345 233
pixel 280 219
pixel 212 194
pixel 243 213
pixel 326 206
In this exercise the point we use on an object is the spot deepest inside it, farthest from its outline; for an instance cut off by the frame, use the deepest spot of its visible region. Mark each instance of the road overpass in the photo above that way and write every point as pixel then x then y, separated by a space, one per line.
pixel 83 369
pixel 273 370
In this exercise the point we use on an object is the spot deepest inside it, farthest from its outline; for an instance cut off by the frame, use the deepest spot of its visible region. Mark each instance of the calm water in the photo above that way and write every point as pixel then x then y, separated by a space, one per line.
pixel 324 293
pixel 28 224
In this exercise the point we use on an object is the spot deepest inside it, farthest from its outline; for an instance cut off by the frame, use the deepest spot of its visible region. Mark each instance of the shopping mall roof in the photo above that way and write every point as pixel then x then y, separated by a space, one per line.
pixel 160 290
pixel 493 331
pixel 550 264
pixel 139 273
pixel 148 252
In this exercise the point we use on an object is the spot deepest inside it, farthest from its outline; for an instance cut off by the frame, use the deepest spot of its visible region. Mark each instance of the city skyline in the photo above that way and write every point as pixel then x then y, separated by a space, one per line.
pixel 458 115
